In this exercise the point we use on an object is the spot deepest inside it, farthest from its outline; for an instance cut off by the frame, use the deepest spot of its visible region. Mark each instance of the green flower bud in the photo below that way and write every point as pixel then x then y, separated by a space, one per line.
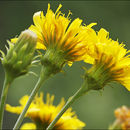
pixel 19 55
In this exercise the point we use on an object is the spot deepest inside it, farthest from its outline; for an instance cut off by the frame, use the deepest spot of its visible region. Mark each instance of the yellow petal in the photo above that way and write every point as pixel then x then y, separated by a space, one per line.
pixel 14 40
pixel 28 126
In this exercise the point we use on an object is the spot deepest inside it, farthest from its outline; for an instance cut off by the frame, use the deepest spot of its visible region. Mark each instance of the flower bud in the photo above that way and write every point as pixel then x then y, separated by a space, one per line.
pixel 19 55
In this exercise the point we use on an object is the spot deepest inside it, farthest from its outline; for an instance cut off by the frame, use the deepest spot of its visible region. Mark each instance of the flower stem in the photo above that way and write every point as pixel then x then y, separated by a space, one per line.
pixel 7 82
pixel 45 74
pixel 70 101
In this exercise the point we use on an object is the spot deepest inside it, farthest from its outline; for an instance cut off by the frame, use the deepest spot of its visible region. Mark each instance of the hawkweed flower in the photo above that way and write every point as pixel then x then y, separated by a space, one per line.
pixel 111 61
pixel 42 113
pixel 122 121
pixel 63 40
pixel 17 62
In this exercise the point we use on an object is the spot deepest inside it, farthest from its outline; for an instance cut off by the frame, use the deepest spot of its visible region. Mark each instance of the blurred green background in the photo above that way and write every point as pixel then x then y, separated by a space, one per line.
pixel 95 109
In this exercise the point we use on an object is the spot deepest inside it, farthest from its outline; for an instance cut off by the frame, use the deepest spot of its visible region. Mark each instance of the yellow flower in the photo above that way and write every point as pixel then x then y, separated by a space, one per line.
pixel 43 113
pixel 54 30
pixel 110 57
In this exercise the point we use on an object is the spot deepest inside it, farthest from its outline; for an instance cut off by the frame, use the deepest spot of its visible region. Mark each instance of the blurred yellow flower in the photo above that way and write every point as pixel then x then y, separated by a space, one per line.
pixel 43 113
pixel 122 118
pixel 110 56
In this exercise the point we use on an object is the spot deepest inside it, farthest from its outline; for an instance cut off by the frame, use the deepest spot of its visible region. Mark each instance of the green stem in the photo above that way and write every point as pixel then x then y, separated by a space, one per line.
pixel 7 82
pixel 43 76
pixel 70 101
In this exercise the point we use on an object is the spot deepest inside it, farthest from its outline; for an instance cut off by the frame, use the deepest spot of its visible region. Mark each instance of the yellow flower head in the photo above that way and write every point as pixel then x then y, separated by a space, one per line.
pixel 110 58
pixel 122 118
pixel 43 113
pixel 54 30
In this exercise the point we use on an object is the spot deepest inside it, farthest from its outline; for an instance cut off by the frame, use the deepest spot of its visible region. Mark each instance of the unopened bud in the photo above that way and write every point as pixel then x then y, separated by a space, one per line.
pixel 20 55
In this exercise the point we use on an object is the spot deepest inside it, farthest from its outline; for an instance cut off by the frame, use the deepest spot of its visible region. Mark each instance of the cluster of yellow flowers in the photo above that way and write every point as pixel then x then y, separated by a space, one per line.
pixel 80 42
pixel 66 42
